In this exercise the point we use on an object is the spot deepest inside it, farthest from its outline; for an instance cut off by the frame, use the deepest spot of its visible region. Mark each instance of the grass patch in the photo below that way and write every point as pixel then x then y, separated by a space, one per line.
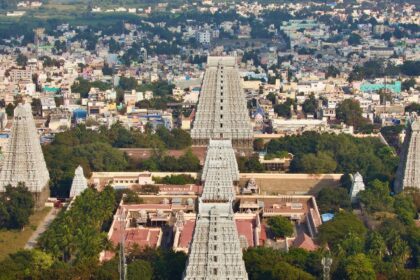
pixel 13 240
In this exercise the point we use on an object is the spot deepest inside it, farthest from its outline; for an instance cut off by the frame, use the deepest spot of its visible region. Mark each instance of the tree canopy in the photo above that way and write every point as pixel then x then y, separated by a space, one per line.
pixel 280 226
pixel 16 205
pixel 348 154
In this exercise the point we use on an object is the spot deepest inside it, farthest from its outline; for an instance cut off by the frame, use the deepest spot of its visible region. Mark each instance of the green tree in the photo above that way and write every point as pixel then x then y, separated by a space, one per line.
pixel 359 267
pixel 283 110
pixel 322 162
pixel 21 60
pixel 250 164
pixel 413 107
pixel 26 264
pixel 354 39
pixel 310 105
pixel 283 270
pixel 332 71
pixel 67 239
pixel 280 226
pixel 336 230
pixel 19 204
pixel 375 245
pixel 10 109
pixel 349 112
pixel 180 179
pixel 259 144
pixel 139 269
pixel 36 106
pixel 166 264
pixel 272 97
pixel 400 252
pixel 411 68
pixel 128 83
pixel 377 197
pixel 333 199
pixel 409 83
pixel 405 208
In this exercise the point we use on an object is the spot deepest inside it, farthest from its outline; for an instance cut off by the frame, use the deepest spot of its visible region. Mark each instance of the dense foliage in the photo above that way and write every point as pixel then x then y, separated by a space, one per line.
pixel 96 151
pixel 378 68
pixel 280 226
pixel 70 240
pixel 16 205
pixel 180 179
pixel 333 199
pixel 160 162
pixel 386 244
pixel 264 263
pixel 342 153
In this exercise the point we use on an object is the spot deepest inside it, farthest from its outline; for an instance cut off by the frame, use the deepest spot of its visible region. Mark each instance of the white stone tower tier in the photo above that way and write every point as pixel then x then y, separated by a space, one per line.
pixel 23 158
pixel 215 252
pixel 222 110
pixel 79 183
pixel 356 186
pixel 408 172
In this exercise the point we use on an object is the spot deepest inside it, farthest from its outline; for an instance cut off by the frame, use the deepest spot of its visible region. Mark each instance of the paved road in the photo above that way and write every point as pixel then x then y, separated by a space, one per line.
pixel 41 228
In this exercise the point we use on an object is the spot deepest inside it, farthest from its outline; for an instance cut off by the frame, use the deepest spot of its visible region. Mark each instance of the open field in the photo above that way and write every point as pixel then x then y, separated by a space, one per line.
pixel 13 240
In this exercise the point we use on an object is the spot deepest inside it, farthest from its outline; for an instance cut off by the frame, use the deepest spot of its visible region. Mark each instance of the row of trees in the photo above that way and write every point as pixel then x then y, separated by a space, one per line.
pixel 377 68
pixel 78 233
pixel 180 179
pixel 148 264
pixel 160 162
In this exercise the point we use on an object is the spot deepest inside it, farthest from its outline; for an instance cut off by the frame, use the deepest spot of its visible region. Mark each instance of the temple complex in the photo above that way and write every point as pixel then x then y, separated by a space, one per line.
pixel 79 183
pixel 215 252
pixel 408 173
pixel 23 157
pixel 222 112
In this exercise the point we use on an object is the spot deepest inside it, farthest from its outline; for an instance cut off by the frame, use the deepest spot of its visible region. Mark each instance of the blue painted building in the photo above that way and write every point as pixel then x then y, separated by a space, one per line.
pixel 369 87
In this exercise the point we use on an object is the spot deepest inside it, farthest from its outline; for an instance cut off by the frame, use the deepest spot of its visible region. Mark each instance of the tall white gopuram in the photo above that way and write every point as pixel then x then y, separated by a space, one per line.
pixel 23 158
pixel 215 252
pixel 222 111
pixel 356 186
pixel 79 183
pixel 408 172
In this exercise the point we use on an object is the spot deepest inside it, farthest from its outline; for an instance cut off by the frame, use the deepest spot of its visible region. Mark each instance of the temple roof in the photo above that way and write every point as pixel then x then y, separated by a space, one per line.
pixel 79 183
pixel 23 157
